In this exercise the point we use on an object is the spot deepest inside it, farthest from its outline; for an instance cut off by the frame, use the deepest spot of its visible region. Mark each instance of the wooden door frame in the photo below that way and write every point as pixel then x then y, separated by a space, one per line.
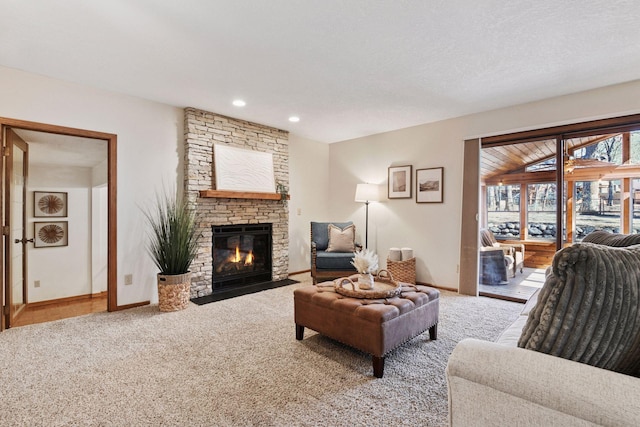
pixel 112 239
pixel 8 193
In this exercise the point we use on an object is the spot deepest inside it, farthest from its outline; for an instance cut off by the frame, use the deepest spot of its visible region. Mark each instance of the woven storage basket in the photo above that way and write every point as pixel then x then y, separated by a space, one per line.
pixel 403 271
pixel 174 291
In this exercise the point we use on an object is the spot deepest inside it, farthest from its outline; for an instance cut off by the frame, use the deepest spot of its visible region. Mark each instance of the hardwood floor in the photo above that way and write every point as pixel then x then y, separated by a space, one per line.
pixel 519 289
pixel 61 309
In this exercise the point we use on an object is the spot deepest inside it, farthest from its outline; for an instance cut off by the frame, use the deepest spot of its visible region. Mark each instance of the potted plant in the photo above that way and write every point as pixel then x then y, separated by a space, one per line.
pixel 282 190
pixel 366 263
pixel 172 246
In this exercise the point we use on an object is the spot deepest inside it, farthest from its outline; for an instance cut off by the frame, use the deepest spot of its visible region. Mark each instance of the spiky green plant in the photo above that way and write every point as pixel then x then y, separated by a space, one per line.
pixel 172 238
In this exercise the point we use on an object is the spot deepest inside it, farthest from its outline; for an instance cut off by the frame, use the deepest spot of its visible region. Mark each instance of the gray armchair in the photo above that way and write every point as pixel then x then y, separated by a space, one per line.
pixel 324 264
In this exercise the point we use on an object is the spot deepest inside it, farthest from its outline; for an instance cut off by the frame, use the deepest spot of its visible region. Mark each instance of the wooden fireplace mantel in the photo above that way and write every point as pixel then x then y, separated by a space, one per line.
pixel 223 194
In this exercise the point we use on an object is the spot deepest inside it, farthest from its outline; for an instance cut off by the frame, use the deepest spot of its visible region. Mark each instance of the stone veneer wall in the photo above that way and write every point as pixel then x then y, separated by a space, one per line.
pixel 202 130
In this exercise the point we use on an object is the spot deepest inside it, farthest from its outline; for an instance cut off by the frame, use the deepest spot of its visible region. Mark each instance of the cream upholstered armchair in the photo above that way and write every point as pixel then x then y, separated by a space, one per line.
pixel 513 252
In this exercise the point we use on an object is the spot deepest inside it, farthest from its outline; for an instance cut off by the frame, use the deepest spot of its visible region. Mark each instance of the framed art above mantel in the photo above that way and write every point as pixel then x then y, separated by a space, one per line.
pixel 239 169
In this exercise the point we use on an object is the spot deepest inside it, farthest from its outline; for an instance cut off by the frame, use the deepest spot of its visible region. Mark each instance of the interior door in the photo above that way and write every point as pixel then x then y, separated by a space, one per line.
pixel 16 154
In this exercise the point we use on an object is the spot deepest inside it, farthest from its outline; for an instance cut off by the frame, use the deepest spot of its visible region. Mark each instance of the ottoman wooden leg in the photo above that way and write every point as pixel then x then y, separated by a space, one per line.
pixel 433 332
pixel 378 366
pixel 299 332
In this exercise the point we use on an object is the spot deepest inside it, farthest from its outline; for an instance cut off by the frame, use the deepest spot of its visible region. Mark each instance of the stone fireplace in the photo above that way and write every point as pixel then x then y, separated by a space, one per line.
pixel 216 210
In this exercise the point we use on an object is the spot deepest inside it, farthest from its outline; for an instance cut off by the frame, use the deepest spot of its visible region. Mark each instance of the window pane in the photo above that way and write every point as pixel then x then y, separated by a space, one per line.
pixel 635 191
pixel 503 211
pixel 634 150
pixel 607 150
pixel 597 207
pixel 541 211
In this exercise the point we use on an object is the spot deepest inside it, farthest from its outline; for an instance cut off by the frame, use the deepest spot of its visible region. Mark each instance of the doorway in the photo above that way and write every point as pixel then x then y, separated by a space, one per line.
pixel 66 225
pixel 571 148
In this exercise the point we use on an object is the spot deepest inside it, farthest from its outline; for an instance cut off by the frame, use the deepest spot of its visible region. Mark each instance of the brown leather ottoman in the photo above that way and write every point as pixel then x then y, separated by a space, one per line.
pixel 373 326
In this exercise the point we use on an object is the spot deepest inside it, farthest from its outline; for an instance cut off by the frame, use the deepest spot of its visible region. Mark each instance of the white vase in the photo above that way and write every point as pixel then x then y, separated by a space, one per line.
pixel 365 281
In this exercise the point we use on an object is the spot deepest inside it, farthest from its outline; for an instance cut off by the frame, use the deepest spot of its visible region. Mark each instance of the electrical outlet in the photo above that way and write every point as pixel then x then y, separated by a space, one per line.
pixel 36 284
pixel 128 279
pixel 299 211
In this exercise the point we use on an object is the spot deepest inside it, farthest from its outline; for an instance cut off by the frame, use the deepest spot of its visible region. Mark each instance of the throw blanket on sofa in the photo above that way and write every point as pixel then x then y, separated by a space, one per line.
pixel 611 239
pixel 589 308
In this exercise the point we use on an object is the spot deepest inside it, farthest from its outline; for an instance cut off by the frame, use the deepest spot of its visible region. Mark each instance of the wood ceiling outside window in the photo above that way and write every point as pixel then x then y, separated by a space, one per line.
pixel 505 156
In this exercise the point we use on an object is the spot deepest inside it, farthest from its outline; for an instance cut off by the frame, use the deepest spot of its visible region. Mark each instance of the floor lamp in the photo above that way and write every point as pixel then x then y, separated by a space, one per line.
pixel 366 193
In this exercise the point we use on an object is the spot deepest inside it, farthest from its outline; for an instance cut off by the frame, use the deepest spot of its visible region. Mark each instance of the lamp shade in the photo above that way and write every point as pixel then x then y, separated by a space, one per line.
pixel 367 193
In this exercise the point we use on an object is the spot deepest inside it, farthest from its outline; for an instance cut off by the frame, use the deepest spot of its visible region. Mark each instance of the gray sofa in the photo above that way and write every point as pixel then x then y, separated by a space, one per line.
pixel 500 383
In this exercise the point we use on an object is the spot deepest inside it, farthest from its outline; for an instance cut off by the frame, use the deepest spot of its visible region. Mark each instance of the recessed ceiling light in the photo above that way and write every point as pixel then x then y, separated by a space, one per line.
pixel 294 119
pixel 239 103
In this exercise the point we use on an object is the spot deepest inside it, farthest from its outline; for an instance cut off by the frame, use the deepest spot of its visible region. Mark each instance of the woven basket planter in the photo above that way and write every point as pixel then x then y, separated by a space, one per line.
pixel 403 271
pixel 174 291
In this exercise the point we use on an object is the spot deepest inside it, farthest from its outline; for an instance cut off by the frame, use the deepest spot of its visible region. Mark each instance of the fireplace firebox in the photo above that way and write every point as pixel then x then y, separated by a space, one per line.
pixel 241 255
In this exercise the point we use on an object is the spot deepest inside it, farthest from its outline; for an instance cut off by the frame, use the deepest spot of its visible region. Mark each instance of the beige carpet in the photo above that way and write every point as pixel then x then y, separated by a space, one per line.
pixel 230 363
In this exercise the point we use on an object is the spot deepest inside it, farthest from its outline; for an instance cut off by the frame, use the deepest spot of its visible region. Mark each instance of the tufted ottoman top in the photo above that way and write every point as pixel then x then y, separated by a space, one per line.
pixel 372 310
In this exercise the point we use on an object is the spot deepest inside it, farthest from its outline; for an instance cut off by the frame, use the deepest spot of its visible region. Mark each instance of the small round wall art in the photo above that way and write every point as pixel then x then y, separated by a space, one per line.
pixel 49 204
pixel 50 234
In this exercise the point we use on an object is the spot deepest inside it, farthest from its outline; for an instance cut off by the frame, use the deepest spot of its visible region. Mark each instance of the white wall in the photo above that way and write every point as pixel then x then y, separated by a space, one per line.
pixel 309 190
pixel 63 271
pixel 99 239
pixel 150 139
pixel 100 174
pixel 150 143
pixel 99 228
pixel 433 230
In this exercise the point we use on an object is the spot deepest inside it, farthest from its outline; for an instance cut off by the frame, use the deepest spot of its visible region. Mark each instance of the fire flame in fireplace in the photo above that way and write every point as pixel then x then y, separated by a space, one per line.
pixel 248 260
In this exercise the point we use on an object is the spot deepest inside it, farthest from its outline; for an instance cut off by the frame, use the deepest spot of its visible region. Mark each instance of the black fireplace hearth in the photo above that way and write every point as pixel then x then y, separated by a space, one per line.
pixel 241 290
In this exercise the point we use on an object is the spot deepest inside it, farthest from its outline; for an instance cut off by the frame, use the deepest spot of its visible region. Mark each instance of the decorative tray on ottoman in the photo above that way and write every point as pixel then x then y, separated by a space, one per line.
pixel 383 287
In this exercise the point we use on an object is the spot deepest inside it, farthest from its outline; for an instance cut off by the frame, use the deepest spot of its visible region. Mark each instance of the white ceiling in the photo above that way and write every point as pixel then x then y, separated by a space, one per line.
pixel 347 68
pixel 62 150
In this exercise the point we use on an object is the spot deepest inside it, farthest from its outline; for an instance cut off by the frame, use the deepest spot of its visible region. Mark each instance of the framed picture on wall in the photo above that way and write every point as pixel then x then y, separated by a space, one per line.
pixel 49 204
pixel 50 234
pixel 429 185
pixel 400 182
